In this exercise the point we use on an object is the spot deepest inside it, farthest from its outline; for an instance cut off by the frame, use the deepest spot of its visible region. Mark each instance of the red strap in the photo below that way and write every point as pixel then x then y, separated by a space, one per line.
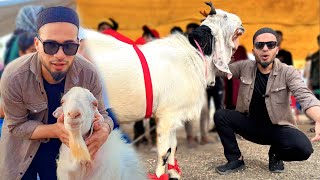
pixel 145 69
pixel 175 167
pixel 155 177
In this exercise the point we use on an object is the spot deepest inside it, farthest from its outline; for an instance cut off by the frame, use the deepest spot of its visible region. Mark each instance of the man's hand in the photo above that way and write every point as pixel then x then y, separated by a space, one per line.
pixel 60 131
pixel 99 135
pixel 317 131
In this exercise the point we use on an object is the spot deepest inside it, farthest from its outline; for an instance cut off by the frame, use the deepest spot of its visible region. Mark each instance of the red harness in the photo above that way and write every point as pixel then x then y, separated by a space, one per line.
pixel 145 69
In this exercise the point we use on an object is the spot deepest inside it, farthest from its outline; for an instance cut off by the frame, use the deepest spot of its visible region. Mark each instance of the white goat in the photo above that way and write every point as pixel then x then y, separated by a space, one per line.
pixel 114 160
pixel 180 71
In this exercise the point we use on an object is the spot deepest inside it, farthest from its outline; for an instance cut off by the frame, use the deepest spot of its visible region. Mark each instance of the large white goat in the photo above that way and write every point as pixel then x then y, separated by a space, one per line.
pixel 114 160
pixel 180 71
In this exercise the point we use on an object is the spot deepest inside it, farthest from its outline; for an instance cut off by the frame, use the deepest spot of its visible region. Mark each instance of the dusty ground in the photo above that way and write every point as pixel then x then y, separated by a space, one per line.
pixel 199 163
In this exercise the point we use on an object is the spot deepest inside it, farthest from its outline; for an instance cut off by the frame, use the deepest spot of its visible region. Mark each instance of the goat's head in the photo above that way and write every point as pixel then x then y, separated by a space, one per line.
pixel 78 106
pixel 216 36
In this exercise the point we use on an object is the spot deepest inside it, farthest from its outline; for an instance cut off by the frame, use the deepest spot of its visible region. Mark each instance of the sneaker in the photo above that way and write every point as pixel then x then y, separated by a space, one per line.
pixel 230 167
pixel 275 164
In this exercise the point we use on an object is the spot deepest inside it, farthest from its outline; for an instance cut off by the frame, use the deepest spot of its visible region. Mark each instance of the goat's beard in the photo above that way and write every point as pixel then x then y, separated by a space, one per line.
pixel 78 147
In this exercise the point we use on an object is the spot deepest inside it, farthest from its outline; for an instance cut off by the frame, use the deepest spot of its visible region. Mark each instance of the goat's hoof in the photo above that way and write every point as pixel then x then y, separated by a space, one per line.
pixel 173 174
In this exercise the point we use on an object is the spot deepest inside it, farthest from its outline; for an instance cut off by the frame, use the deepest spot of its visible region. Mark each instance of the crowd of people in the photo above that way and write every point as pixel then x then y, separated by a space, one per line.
pixel 254 104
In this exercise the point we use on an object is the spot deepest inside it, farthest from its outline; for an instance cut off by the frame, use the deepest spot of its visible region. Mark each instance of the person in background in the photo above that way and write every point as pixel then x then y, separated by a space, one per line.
pixel 25 22
pixel 314 79
pixel 148 35
pixel 263 113
pixel 283 55
pixel 190 27
pixel 26 43
pixel 176 29
pixel 106 25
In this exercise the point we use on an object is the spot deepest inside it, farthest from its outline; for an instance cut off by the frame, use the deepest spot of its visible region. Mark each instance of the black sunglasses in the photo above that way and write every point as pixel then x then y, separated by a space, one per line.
pixel 52 47
pixel 270 45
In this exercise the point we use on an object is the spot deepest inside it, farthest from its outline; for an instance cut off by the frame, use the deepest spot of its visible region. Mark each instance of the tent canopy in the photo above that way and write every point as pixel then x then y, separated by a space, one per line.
pixel 298 19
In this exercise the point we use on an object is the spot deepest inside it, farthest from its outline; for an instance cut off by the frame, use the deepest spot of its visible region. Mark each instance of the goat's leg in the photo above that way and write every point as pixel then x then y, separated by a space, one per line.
pixel 174 172
pixel 163 145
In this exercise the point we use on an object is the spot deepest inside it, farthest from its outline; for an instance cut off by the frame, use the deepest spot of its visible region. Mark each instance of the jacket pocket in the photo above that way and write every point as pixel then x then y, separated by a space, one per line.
pixel 244 93
pixel 245 80
pixel 279 94
pixel 36 110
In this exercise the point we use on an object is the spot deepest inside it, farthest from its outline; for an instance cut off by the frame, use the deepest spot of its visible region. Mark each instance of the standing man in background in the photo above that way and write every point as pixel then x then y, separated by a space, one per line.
pixel 283 55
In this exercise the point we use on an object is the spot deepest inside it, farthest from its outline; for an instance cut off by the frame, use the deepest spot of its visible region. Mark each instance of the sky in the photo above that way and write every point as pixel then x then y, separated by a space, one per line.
pixel 11 2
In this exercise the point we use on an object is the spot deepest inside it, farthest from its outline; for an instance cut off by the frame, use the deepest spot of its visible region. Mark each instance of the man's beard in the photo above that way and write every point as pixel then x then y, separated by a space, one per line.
pixel 265 64
pixel 57 76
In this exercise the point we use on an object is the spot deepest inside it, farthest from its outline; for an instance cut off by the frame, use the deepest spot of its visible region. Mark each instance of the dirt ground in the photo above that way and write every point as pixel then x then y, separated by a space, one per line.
pixel 200 162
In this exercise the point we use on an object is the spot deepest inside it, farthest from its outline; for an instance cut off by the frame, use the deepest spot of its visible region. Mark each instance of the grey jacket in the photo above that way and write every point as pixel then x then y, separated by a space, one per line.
pixel 26 106
pixel 283 79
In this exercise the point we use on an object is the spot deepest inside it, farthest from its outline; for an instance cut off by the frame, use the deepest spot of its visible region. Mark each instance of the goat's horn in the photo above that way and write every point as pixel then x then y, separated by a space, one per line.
pixel 212 11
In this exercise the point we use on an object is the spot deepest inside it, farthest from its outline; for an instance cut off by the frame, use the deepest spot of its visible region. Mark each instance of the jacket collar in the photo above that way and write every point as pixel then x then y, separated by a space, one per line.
pixel 72 74
pixel 276 66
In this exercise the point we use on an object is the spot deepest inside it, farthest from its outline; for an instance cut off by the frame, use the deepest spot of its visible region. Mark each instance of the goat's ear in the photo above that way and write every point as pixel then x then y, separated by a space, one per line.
pixel 203 37
pixel 219 53
pixel 58 112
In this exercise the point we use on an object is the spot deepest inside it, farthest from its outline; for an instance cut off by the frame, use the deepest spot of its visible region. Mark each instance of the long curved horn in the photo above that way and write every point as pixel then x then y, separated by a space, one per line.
pixel 212 11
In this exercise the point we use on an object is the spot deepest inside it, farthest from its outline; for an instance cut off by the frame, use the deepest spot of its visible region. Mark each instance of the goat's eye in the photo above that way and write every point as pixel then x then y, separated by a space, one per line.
pixel 62 101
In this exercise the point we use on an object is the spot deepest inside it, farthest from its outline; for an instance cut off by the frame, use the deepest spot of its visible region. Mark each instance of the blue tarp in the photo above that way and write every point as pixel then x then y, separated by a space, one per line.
pixel 1 122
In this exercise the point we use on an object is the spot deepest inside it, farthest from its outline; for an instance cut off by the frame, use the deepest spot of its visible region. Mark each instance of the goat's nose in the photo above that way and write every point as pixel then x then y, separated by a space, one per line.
pixel 74 114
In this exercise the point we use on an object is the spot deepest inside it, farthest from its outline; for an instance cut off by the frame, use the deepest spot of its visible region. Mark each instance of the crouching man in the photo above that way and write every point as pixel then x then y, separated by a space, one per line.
pixel 31 88
pixel 263 114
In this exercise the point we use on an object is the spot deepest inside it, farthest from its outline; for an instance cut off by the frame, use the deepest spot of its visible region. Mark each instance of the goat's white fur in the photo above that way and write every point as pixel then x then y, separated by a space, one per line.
pixel 177 72
pixel 114 160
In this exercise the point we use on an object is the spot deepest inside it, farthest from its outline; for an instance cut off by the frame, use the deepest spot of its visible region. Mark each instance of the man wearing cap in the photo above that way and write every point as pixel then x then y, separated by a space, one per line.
pixel 31 89
pixel 263 113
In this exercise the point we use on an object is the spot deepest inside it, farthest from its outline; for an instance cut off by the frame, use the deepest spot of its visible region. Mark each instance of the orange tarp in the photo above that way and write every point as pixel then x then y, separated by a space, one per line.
pixel 298 19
